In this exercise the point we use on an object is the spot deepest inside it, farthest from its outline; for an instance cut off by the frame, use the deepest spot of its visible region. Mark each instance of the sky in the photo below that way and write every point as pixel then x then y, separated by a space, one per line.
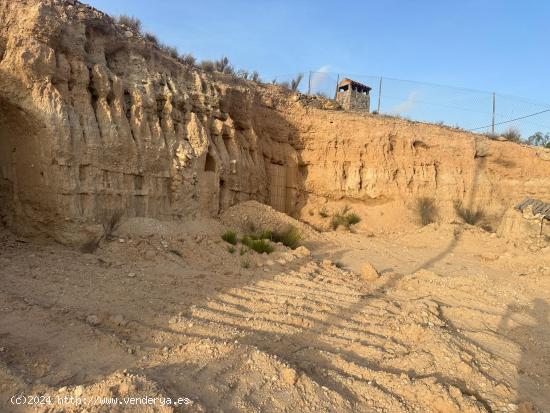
pixel 487 45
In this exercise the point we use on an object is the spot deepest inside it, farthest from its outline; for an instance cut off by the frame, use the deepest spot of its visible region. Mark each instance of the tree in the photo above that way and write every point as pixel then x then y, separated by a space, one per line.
pixel 538 139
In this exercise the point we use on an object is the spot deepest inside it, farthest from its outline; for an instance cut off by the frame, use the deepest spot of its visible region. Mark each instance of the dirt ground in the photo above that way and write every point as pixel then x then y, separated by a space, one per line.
pixel 457 321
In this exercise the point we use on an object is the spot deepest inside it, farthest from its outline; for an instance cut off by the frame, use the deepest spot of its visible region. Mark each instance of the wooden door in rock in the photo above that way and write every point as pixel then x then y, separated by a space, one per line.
pixel 277 187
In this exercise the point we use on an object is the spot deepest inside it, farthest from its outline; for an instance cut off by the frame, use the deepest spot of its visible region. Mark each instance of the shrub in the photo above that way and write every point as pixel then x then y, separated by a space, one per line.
pixel 110 223
pixel 208 66
pixel 352 219
pixel 231 249
pixel 295 83
pixel 339 264
pixel 243 74
pixel 323 212
pixel 264 234
pixel 258 245
pixel 245 263
pixel 539 139
pixel 290 238
pixel 171 50
pixel 285 85
pixel 426 210
pixel 222 64
pixel 151 37
pixel 130 21
pixel 188 59
pixel 469 215
pixel 243 250
pixel 230 237
pixel 255 77
pixel 345 218
pixel 512 134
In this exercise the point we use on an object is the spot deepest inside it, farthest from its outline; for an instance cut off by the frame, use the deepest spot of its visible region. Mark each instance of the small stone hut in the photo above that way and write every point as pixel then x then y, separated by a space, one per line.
pixel 352 95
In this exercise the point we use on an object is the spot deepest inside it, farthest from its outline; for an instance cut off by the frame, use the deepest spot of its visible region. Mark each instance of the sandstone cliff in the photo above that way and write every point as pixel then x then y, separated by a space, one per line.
pixel 95 120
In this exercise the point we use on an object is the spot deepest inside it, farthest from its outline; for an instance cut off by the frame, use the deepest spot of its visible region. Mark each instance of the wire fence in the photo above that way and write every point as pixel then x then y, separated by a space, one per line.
pixel 474 110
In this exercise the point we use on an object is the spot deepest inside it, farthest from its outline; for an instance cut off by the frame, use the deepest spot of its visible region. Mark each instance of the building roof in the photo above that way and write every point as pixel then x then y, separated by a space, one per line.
pixel 347 81
pixel 538 207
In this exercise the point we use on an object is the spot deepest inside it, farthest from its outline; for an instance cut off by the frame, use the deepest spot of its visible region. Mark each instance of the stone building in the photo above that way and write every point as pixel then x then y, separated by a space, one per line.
pixel 352 95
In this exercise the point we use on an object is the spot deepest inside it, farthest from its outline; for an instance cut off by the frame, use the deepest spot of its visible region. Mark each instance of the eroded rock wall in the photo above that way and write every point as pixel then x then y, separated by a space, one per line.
pixel 95 120
pixel 111 123
pixel 376 160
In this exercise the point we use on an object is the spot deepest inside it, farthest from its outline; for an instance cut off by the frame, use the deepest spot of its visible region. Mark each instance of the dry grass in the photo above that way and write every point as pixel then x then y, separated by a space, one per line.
pixel 426 210
pixel 110 222
pixel 469 215
pixel 512 134
pixel 130 21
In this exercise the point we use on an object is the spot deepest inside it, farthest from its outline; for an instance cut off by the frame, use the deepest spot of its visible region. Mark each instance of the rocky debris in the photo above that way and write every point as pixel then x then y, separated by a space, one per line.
pixel 93 320
pixel 368 272
pixel 118 320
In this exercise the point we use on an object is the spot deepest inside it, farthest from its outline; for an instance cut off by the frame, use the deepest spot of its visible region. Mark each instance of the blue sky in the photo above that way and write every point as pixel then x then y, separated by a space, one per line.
pixel 475 44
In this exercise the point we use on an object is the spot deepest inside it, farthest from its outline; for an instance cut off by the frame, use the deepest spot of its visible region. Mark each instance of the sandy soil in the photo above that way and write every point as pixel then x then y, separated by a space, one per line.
pixel 457 321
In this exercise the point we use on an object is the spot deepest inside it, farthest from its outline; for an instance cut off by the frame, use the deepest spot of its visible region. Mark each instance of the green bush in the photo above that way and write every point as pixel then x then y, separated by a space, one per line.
pixel 469 215
pixel 352 219
pixel 323 213
pixel 344 218
pixel 230 237
pixel 426 210
pixel 290 238
pixel 231 249
pixel 245 263
pixel 258 245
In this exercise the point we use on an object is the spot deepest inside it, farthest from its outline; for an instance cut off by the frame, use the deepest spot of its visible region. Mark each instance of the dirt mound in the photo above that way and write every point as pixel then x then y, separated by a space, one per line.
pixel 251 213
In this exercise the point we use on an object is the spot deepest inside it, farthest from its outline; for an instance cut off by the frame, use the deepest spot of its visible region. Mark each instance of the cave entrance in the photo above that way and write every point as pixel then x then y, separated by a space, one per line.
pixel 210 164
pixel 22 170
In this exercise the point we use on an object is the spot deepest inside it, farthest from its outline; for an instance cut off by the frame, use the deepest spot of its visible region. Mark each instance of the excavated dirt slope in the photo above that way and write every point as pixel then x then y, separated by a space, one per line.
pixel 97 124
pixel 166 310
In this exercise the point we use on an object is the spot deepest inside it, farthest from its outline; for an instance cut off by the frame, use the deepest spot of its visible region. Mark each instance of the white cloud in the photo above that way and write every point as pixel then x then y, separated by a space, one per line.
pixel 406 105
pixel 318 77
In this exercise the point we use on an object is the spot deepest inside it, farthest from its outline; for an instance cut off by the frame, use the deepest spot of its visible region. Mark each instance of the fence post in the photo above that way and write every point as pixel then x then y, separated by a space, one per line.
pixel 337 81
pixel 309 83
pixel 494 107
pixel 379 94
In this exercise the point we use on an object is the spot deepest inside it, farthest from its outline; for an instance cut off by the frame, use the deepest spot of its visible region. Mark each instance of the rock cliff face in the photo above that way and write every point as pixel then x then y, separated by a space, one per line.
pixel 376 160
pixel 95 120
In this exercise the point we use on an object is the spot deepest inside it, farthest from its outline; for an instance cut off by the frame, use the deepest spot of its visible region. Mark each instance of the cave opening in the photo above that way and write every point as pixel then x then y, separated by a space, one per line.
pixel 23 175
pixel 210 164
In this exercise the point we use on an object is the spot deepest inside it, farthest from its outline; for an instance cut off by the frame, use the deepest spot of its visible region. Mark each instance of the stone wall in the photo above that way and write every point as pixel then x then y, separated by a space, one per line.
pixel 353 101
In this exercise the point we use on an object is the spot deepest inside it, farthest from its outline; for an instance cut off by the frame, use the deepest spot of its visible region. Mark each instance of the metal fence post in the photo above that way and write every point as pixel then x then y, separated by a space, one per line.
pixel 494 107
pixel 309 83
pixel 336 89
pixel 379 94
